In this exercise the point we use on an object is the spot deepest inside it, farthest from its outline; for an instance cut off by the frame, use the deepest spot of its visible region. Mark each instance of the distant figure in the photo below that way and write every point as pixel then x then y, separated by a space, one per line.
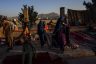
pixel 41 32
pixel 8 32
pixel 46 27
pixel 51 24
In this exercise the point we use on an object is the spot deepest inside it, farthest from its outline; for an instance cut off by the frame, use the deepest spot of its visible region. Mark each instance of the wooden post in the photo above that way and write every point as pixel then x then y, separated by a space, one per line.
pixel 25 12
pixel 62 11
pixel 26 19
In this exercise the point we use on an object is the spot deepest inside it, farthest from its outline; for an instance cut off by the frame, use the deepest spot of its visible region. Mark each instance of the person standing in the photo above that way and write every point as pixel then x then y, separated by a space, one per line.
pixel 56 33
pixel 41 33
pixel 8 32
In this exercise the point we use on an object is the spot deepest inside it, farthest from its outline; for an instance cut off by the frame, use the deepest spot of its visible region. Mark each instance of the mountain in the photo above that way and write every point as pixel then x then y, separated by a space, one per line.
pixel 52 15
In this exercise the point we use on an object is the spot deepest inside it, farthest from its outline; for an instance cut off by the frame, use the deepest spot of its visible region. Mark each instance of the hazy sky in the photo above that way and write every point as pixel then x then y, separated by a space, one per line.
pixel 13 7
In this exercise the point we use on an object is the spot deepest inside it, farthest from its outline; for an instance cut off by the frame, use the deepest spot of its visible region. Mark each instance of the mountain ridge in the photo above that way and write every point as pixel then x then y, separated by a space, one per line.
pixel 51 15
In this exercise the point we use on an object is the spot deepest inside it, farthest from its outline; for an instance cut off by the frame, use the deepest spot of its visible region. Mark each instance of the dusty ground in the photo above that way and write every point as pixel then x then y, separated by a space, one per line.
pixel 81 55
pixel 76 56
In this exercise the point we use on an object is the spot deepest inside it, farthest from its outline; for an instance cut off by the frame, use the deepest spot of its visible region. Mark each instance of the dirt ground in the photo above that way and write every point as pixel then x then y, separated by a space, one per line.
pixel 80 55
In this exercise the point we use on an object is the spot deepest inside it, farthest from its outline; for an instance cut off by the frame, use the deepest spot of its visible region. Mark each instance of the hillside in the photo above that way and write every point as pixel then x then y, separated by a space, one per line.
pixel 52 15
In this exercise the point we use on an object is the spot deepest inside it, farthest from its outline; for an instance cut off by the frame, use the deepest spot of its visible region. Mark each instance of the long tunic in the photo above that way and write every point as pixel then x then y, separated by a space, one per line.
pixel 8 32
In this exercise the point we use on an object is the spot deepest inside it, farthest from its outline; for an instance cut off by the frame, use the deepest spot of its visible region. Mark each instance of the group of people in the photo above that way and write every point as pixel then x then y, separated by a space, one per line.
pixel 60 35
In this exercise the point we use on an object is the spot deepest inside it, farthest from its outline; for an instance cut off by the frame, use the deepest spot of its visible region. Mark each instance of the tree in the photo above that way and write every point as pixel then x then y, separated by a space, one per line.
pixel 94 2
pixel 87 4
pixel 32 15
pixel 91 7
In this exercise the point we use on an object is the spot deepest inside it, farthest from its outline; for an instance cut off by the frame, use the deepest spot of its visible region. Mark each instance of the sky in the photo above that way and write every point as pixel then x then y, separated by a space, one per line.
pixel 13 7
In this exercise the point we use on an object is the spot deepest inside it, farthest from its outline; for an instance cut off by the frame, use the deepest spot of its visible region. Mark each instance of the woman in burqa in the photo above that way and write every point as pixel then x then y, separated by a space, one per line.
pixel 56 33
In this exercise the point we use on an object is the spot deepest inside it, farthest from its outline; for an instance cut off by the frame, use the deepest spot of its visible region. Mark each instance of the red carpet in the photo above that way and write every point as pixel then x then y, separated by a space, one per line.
pixel 42 58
